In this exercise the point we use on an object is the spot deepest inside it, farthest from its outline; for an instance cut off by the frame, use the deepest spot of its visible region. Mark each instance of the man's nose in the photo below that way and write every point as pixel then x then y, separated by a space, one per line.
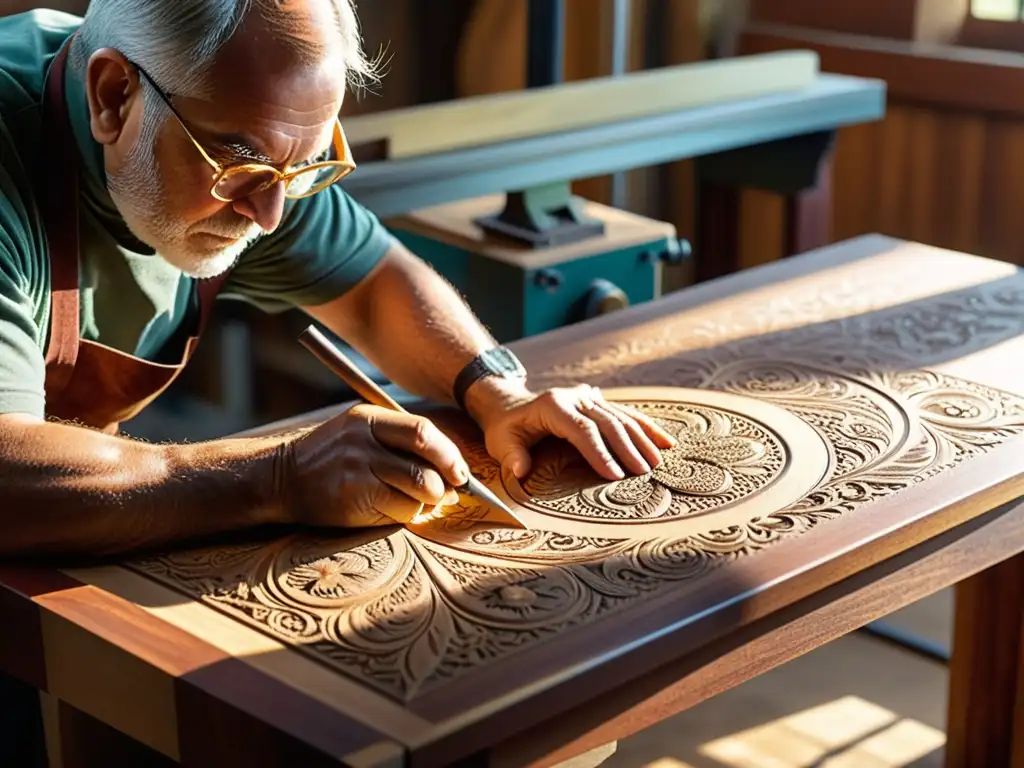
pixel 265 208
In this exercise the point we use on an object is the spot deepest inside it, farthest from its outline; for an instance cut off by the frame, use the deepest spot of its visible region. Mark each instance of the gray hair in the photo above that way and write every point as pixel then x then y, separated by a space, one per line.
pixel 177 40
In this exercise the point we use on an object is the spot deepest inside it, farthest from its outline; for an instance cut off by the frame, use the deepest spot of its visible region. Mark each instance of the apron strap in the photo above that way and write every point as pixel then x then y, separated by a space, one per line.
pixel 60 217
pixel 208 290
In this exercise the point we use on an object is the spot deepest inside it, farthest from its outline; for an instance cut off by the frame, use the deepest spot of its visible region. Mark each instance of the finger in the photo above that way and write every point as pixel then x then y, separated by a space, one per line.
pixel 619 440
pixel 517 459
pixel 585 435
pixel 408 476
pixel 661 437
pixel 637 437
pixel 419 436
pixel 394 504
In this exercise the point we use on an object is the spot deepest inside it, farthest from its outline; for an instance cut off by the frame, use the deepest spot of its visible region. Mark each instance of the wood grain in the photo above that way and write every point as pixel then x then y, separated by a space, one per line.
pixel 985 671
pixel 778 638
pixel 438 644
pixel 934 169
pixel 934 21
pixel 595 101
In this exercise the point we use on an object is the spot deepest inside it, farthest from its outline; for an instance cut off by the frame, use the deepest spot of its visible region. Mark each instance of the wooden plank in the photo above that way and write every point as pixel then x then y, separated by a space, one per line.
pixel 937 75
pixel 933 21
pixel 596 101
pixel 777 639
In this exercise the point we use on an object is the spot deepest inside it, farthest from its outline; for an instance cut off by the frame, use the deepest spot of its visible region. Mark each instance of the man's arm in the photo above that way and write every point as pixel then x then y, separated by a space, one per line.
pixel 413 326
pixel 66 489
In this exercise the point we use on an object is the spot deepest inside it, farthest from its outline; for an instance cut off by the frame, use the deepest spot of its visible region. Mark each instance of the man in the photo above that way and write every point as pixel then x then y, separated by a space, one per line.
pixel 172 151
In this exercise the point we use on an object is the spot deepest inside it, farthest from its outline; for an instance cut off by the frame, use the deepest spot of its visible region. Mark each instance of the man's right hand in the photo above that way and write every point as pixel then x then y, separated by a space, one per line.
pixel 370 466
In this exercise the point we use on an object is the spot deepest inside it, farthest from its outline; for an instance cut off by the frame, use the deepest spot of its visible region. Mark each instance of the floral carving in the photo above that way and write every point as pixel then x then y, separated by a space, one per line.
pixel 719 458
pixel 406 611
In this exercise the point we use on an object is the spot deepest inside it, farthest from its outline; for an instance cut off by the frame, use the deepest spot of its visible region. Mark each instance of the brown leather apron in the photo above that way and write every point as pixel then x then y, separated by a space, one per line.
pixel 86 382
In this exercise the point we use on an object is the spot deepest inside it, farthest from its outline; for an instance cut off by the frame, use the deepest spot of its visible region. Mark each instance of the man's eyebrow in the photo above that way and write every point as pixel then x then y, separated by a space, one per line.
pixel 241 145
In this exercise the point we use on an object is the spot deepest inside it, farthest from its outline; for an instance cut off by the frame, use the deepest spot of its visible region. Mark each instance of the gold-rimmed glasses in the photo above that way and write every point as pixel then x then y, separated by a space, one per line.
pixel 239 180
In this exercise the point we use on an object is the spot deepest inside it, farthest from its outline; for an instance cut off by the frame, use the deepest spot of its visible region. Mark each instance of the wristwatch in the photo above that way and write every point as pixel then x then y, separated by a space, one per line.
pixel 499 361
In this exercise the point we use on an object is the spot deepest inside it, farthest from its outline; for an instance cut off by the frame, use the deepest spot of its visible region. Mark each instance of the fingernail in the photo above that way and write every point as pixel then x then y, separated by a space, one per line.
pixel 461 474
pixel 617 471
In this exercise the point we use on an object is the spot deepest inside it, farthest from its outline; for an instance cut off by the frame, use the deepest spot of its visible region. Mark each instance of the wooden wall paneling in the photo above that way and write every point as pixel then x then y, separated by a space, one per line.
pixel 935 170
pixel 1001 234
pixel 921 160
pixel 856 180
pixel 959 180
pixel 761 232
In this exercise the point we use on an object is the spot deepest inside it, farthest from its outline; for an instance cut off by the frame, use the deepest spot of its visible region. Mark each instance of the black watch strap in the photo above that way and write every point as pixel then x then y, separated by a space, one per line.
pixel 499 361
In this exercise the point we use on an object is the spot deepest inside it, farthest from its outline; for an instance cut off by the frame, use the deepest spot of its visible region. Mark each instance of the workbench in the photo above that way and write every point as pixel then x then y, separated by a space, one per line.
pixel 852 440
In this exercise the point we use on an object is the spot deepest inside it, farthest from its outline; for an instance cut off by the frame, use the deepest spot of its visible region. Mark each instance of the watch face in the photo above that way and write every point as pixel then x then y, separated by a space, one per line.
pixel 503 362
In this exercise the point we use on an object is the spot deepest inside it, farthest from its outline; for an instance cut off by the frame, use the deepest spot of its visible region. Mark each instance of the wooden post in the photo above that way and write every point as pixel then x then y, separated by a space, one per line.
pixel 798 168
pixel 986 676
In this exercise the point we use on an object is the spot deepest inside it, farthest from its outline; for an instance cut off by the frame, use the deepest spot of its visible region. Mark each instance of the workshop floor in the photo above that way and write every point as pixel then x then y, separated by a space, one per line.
pixel 855 703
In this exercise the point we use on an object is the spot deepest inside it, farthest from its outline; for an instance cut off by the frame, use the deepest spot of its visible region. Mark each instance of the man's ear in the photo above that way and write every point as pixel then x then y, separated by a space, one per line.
pixel 111 85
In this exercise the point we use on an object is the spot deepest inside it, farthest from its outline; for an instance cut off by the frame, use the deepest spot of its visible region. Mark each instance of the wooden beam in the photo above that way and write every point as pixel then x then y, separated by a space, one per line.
pixel 508 116
pixel 934 21
pixel 938 75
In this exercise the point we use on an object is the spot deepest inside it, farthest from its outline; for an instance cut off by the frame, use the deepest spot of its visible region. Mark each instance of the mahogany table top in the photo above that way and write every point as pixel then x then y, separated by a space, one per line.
pixel 834 410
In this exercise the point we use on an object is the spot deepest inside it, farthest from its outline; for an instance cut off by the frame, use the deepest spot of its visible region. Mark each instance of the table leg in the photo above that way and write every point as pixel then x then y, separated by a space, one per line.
pixel 717 245
pixel 76 740
pixel 808 222
pixel 985 721
pixel 21 727
pixel 798 168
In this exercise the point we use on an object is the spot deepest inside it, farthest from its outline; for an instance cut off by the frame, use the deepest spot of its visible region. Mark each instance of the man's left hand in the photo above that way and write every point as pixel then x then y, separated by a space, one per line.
pixel 614 439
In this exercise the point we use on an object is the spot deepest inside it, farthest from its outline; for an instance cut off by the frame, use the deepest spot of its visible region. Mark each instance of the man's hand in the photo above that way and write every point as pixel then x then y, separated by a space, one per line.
pixel 370 466
pixel 614 439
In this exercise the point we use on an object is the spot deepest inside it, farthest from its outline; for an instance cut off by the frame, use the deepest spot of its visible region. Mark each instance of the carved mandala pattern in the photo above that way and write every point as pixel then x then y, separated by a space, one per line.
pixel 405 611
pixel 718 458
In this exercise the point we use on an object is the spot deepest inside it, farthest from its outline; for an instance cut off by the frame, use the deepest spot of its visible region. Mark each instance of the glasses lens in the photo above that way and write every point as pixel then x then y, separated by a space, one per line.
pixel 242 182
pixel 313 180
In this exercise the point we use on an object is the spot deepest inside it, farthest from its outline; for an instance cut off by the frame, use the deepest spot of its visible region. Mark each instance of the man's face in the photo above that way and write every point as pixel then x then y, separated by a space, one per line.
pixel 267 106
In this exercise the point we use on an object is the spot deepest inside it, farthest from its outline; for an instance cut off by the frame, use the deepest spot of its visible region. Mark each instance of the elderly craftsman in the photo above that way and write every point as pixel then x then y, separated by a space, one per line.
pixel 157 155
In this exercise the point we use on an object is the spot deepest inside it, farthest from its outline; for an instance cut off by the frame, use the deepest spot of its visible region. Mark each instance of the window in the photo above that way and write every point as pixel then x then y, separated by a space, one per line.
pixel 998 10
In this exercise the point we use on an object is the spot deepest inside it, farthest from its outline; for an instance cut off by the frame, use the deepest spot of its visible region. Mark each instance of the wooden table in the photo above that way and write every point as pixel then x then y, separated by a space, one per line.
pixel 850 425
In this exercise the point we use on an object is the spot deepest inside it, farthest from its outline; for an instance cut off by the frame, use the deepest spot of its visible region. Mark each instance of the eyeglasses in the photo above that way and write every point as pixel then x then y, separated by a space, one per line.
pixel 237 181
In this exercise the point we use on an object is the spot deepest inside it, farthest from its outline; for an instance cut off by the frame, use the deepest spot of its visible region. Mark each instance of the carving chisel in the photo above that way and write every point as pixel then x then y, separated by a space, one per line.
pixel 370 391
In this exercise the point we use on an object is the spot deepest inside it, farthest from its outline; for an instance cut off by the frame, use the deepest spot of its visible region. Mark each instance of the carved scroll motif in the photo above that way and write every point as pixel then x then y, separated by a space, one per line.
pixel 406 611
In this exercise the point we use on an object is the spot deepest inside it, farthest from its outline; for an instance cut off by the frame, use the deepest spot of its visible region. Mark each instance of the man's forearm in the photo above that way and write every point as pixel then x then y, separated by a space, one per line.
pixel 418 331
pixel 65 489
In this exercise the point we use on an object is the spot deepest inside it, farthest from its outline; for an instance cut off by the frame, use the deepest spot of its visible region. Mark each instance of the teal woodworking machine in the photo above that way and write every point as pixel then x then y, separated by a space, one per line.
pixel 541 259
pixel 481 187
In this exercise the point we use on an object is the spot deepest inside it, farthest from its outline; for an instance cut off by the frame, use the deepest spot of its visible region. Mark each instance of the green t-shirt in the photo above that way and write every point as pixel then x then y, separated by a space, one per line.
pixel 131 299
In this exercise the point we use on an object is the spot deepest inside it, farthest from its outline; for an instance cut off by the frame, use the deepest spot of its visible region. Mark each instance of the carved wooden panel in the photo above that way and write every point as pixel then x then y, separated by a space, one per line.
pixel 779 433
